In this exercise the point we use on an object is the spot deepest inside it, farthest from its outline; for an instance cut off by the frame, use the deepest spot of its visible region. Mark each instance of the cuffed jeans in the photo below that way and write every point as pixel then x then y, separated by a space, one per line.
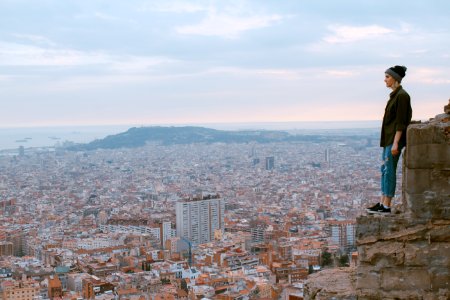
pixel 388 172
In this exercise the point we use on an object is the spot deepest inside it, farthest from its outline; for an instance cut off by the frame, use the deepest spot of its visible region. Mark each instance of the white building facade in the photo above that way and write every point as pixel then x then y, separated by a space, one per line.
pixel 198 219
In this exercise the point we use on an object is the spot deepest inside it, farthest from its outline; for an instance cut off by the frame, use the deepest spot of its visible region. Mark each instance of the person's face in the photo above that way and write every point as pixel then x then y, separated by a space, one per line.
pixel 389 80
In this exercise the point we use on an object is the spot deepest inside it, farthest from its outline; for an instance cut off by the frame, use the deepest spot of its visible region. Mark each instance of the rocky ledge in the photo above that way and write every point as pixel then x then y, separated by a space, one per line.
pixel 405 255
pixel 332 284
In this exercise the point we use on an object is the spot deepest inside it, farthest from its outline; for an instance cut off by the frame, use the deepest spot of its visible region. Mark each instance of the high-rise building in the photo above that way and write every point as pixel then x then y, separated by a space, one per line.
pixel 198 219
pixel 270 163
pixel 343 234
pixel 18 238
pixel 253 152
pixel 165 229
pixel 257 233
pixel 6 249
pixel 327 155
pixel 21 151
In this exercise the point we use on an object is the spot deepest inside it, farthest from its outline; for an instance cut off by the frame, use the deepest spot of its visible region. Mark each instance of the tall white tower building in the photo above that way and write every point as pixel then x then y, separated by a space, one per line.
pixel 343 233
pixel 198 219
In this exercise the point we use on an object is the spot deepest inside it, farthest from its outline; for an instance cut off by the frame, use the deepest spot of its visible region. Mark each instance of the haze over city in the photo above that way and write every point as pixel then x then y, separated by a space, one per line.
pixel 71 63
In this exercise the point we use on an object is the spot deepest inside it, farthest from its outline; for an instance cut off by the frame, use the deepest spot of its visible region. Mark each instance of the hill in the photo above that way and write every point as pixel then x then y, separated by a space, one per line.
pixel 139 136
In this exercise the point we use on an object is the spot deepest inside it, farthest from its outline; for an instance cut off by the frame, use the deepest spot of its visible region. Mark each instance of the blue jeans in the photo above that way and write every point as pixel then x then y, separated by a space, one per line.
pixel 388 171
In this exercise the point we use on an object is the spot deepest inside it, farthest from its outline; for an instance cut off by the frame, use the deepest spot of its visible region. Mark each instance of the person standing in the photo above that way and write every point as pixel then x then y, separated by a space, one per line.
pixel 397 116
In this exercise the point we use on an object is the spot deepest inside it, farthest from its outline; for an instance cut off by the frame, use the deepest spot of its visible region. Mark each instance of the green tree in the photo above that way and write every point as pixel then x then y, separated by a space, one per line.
pixel 255 294
pixel 326 258
pixel 184 285
pixel 146 266
pixel 343 260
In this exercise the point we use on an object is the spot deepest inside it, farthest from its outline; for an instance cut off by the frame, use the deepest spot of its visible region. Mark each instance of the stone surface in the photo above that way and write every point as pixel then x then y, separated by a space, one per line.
pixel 404 255
pixel 426 180
pixel 390 253
pixel 433 132
pixel 423 180
pixel 336 284
pixel 440 233
pixel 407 255
pixel 373 228
pixel 394 279
pixel 367 278
pixel 425 134
pixel 428 205
pixel 432 156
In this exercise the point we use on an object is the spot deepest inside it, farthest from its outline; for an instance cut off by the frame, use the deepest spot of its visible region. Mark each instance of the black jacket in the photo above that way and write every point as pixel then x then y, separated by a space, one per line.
pixel 397 116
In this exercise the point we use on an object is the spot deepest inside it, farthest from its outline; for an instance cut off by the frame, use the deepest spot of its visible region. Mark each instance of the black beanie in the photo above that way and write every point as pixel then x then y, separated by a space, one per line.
pixel 398 72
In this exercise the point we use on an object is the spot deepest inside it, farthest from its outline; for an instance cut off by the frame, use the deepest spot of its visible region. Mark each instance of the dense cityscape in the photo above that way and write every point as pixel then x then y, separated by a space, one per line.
pixel 186 221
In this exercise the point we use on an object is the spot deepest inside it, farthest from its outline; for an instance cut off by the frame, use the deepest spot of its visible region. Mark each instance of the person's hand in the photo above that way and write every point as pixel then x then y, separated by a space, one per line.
pixel 394 149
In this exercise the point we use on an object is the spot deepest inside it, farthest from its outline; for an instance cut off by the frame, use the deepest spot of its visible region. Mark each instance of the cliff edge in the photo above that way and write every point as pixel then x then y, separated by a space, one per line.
pixel 406 255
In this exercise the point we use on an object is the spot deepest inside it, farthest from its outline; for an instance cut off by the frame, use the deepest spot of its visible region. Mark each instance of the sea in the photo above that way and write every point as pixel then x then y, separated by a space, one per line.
pixel 38 137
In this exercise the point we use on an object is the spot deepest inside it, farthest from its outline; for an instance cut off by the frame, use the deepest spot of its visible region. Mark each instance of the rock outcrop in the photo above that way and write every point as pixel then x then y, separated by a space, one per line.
pixel 406 255
pixel 332 284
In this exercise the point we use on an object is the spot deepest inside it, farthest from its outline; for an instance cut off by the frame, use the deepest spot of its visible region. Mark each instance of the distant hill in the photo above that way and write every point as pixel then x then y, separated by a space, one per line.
pixel 139 136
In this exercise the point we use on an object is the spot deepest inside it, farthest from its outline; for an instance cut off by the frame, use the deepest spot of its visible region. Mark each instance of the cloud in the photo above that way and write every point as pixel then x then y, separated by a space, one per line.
pixel 223 20
pixel 341 73
pixel 14 54
pixel 419 51
pixel 105 17
pixel 286 74
pixel 349 34
pixel 36 39
pixel 137 64
pixel 430 76
pixel 173 7
pixel 273 74
pixel 227 26
pixel 344 37
pixel 5 77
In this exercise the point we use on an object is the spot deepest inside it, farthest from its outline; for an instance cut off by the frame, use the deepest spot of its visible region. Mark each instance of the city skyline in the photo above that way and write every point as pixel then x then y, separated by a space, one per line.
pixel 112 216
pixel 72 63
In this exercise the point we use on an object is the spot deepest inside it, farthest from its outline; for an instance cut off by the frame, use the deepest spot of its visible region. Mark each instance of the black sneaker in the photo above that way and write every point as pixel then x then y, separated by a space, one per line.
pixel 374 208
pixel 383 210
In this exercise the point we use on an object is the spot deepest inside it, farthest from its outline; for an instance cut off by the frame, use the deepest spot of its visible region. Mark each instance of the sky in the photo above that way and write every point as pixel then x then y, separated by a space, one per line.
pixel 105 62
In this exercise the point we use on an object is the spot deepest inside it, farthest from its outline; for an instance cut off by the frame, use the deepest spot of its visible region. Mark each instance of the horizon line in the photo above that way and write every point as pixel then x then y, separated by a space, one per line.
pixel 253 123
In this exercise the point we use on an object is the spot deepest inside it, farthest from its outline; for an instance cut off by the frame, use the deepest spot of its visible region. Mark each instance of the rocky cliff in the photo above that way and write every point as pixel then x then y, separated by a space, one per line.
pixel 405 255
